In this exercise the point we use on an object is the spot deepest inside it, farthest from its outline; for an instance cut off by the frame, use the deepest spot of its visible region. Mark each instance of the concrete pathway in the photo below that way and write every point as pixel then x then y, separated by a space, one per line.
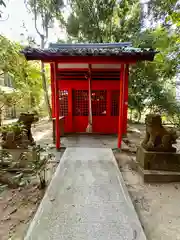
pixel 86 199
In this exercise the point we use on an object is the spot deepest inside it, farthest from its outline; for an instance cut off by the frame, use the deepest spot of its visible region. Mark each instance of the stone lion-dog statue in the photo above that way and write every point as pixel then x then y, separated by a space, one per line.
pixel 158 138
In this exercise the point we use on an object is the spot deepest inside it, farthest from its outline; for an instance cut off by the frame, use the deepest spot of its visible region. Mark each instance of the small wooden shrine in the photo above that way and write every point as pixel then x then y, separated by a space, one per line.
pixel 89 84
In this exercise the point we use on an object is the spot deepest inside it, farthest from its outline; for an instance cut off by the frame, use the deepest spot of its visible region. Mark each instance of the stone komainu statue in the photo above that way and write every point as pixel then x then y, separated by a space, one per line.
pixel 157 137
pixel 20 138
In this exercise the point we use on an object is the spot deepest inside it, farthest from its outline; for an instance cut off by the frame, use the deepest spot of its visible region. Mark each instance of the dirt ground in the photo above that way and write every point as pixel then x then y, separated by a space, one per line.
pixel 18 206
pixel 156 204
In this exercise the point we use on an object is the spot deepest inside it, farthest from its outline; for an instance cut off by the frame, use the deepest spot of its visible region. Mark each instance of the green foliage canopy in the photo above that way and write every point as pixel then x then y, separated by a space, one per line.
pixel 26 75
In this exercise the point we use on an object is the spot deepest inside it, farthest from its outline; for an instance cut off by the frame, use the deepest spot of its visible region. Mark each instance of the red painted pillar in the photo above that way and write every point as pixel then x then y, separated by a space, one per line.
pixel 125 117
pixel 70 108
pixel 121 104
pixel 57 107
pixel 52 90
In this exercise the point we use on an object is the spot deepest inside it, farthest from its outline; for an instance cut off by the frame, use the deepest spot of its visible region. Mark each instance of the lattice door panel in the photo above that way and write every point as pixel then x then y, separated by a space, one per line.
pixel 63 100
pixel 115 103
pixel 80 103
pixel 99 102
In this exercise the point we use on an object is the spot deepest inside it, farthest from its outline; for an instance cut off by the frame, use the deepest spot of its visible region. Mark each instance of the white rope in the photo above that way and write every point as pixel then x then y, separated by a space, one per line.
pixel 89 127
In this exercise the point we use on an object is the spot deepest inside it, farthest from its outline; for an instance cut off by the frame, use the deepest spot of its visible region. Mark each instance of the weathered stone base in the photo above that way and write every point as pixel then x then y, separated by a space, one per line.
pixel 160 161
pixel 156 176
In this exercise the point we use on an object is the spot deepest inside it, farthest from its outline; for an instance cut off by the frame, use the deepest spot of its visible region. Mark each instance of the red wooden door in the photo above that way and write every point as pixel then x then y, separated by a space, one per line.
pixel 80 110
pixel 99 110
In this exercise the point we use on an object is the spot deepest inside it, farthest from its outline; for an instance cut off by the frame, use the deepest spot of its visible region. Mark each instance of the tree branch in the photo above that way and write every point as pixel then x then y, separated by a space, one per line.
pixel 98 26
pixel 2 107
pixel 2 20
pixel 35 19
pixel 26 5
pixel 2 3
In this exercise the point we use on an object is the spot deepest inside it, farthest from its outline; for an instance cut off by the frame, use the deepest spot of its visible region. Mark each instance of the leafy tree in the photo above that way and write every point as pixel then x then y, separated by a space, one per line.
pixel 26 75
pixel 9 53
pixel 106 20
pixel 8 100
pixel 151 83
pixel 167 13
pixel 165 10
pixel 123 21
pixel 46 12
pixel 97 15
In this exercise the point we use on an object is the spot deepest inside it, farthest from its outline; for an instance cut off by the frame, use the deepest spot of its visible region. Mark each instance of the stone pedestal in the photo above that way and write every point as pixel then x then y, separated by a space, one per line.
pixel 158 166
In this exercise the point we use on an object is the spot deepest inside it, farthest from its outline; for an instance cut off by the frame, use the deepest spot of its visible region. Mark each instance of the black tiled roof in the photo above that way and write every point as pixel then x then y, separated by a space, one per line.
pixel 60 50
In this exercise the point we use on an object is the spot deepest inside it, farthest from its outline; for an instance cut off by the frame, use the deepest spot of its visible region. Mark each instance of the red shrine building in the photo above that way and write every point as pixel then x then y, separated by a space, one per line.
pixel 89 84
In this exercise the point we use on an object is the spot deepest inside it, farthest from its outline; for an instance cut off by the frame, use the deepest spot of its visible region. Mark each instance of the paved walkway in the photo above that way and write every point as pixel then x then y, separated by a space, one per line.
pixel 86 200
pixel 42 134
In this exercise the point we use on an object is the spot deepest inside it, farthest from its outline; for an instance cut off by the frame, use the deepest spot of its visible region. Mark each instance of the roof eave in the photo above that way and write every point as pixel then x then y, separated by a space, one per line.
pixel 127 57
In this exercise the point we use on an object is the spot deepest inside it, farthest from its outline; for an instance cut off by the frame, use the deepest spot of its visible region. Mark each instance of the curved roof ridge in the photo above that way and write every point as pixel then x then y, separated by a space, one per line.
pixel 90 45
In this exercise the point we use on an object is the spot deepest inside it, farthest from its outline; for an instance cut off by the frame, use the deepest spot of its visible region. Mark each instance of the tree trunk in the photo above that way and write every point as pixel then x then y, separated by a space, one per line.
pixel 44 83
pixel 139 116
pixel 131 113
pixel 0 117
pixel 42 36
